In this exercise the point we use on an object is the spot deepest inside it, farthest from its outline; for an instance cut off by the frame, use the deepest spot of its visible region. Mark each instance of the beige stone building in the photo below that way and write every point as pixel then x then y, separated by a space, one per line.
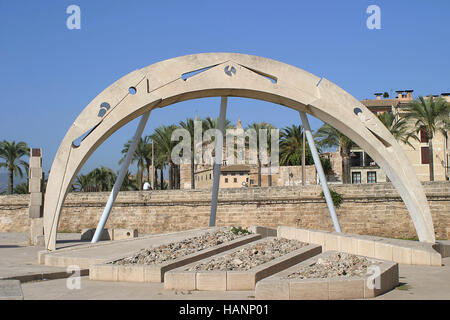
pixel 365 170
pixel 232 176
pixel 245 175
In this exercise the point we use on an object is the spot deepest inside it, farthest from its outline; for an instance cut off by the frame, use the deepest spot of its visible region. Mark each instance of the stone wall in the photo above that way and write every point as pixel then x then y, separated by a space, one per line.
pixel 373 209
pixel 292 175
pixel 14 213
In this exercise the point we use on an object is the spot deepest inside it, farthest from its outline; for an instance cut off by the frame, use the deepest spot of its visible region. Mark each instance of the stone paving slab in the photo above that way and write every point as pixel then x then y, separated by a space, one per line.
pixel 10 290
pixel 277 287
pixel 155 273
pixel 182 279
pixel 397 250
pixel 18 259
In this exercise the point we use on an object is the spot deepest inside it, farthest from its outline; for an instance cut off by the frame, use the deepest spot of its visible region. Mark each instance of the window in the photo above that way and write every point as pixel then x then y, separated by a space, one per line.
pixel 233 173
pixel 371 177
pixel 226 180
pixel 356 177
pixel 252 181
pixel 235 179
pixel 246 180
pixel 210 176
pixel 356 159
pixel 425 153
pixel 423 135
pixel 241 174
pixel 224 173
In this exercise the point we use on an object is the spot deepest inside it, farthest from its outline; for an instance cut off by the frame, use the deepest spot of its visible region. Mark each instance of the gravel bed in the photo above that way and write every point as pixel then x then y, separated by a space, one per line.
pixel 172 251
pixel 251 256
pixel 336 265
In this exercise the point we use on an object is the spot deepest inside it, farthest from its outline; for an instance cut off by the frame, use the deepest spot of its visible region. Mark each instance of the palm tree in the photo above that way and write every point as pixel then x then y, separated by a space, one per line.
pixel 12 153
pixel 103 178
pixel 21 188
pixel 429 115
pixel 331 137
pixel 129 184
pixel 291 145
pixel 164 146
pixel 142 155
pixel 257 127
pixel 84 182
pixel 210 123
pixel 397 127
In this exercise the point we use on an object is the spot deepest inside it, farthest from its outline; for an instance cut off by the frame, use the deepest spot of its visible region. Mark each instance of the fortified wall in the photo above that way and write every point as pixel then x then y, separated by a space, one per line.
pixel 372 209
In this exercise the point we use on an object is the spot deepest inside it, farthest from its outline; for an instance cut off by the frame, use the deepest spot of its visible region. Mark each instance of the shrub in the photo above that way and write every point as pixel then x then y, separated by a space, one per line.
pixel 240 230
pixel 336 196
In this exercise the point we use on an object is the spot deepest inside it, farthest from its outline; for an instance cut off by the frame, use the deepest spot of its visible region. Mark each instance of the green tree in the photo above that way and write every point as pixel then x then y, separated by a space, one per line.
pixel 291 146
pixel 129 184
pixel 326 165
pixel 398 127
pixel 430 115
pixel 11 154
pixel 103 178
pixel 210 123
pixel 164 146
pixel 142 156
pixel 84 183
pixel 22 188
pixel 330 137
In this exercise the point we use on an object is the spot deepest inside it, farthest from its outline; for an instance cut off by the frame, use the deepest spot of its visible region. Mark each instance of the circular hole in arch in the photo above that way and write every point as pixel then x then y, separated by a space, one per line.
pixel 132 90
pixel 357 110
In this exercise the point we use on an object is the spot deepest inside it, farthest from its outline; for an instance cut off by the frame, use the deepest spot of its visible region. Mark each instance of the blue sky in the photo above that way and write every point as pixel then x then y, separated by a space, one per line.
pixel 50 73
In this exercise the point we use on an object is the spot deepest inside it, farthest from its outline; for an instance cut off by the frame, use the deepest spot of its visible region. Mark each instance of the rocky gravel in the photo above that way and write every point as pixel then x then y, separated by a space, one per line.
pixel 336 265
pixel 172 251
pixel 250 256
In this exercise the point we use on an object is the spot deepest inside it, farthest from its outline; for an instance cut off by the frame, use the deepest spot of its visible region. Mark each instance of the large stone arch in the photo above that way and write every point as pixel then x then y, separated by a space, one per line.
pixel 229 74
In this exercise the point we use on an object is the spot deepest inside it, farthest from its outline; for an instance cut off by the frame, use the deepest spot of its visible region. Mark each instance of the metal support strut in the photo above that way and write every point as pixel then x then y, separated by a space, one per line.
pixel 119 180
pixel 218 161
pixel 323 180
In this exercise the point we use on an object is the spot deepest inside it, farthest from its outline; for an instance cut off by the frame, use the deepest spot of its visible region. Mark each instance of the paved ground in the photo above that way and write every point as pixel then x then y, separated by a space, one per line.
pixel 57 289
pixel 422 282
pixel 416 282
pixel 18 258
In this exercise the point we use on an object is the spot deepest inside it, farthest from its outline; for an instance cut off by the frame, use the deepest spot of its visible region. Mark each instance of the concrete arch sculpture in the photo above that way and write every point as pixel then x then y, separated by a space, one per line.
pixel 229 74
